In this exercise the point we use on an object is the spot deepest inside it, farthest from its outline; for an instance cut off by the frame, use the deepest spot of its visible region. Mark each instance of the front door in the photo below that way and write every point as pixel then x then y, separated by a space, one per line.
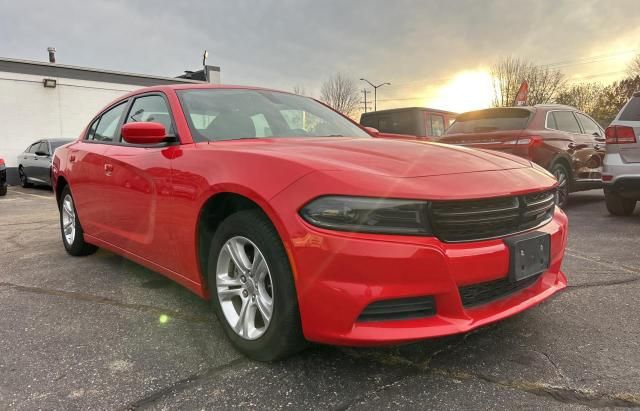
pixel 593 133
pixel 580 147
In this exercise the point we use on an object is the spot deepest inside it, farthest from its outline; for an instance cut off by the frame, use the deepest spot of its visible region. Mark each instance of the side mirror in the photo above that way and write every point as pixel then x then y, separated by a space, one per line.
pixel 373 131
pixel 143 132
pixel 41 154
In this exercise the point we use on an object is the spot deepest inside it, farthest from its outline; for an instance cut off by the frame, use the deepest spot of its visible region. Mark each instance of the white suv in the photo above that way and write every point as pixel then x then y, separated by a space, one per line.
pixel 621 168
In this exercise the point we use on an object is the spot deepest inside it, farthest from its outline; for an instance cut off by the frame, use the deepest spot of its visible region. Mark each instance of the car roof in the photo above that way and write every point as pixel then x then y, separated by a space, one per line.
pixel 394 110
pixel 198 86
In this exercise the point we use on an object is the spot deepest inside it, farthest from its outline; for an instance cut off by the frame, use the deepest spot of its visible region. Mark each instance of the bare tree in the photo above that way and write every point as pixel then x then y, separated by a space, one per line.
pixel 633 69
pixel 299 90
pixel 508 73
pixel 583 96
pixel 341 93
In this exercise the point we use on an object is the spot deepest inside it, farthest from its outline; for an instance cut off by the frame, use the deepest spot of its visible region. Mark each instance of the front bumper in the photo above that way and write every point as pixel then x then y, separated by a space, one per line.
pixel 338 275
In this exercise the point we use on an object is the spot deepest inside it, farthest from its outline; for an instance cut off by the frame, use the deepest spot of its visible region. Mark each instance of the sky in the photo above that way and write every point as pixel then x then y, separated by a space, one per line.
pixel 434 53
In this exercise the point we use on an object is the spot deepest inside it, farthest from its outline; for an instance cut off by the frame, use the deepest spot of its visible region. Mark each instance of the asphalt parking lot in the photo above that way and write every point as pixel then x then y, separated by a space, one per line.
pixel 103 332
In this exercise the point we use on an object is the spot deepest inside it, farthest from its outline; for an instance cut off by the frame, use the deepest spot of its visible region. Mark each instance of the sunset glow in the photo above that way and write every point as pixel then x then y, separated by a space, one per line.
pixel 468 90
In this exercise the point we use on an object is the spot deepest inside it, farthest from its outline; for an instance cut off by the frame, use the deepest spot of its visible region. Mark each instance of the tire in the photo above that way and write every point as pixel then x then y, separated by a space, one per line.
pixel 24 181
pixel 252 235
pixel 617 205
pixel 73 241
pixel 563 176
pixel 3 190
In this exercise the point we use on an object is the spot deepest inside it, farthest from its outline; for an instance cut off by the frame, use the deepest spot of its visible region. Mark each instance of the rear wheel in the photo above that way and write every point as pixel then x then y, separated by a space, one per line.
pixel 24 181
pixel 72 233
pixel 561 174
pixel 251 287
pixel 617 205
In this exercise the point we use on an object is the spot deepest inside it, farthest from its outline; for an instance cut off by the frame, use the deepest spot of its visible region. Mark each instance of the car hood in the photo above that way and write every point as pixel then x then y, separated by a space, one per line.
pixel 392 158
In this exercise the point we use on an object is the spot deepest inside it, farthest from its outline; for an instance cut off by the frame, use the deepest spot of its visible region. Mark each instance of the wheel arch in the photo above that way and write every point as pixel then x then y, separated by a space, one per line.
pixel 214 210
pixel 60 184
pixel 565 161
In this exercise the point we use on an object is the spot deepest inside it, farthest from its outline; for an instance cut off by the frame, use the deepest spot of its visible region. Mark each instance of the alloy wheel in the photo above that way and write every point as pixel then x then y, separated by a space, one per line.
pixel 244 287
pixel 68 219
pixel 23 177
pixel 562 191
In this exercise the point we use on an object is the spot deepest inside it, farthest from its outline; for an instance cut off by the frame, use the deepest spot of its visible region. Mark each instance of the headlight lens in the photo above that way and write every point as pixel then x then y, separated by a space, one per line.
pixel 369 215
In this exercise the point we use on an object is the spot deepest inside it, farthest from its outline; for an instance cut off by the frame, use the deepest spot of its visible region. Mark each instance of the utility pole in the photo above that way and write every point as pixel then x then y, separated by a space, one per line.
pixel 366 105
pixel 375 92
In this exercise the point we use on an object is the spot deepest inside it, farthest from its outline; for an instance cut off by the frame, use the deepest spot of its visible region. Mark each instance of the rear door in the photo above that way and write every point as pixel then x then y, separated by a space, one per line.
pixel 580 147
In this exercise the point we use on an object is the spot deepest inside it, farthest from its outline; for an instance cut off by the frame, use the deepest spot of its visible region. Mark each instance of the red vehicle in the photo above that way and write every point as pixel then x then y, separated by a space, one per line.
pixel 3 178
pixel 301 227
pixel 565 141
pixel 420 122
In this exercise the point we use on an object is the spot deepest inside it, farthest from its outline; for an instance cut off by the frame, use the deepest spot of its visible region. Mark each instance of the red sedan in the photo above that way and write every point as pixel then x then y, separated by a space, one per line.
pixel 300 226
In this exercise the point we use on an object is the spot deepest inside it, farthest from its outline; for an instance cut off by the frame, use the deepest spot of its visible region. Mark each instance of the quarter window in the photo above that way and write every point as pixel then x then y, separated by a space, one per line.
pixel 589 126
pixel 566 121
pixel 107 126
pixel 151 108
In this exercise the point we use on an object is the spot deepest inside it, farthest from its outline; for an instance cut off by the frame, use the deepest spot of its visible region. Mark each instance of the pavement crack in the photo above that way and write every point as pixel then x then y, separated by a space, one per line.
pixel 74 295
pixel 558 369
pixel 605 283
pixel 609 264
pixel 183 384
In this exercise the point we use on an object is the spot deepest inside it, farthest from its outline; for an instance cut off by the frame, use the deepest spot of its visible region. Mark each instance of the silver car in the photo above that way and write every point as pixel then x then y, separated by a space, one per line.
pixel 621 168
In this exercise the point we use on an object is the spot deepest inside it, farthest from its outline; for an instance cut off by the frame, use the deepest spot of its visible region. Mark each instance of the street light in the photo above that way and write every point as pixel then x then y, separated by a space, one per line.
pixel 375 92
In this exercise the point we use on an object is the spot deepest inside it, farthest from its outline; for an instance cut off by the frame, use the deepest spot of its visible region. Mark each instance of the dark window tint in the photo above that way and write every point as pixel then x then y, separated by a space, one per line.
pixel 631 112
pixel 153 109
pixel 588 126
pixel 56 144
pixel 399 122
pixel 484 121
pixel 566 121
pixel 108 124
pixel 33 148
pixel 437 125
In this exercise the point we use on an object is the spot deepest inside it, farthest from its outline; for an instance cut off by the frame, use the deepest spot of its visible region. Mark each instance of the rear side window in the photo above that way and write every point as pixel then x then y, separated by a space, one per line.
pixel 151 108
pixel 399 122
pixel 33 148
pixel 484 121
pixel 437 125
pixel 43 147
pixel 588 126
pixel 107 124
pixel 631 112
pixel 566 121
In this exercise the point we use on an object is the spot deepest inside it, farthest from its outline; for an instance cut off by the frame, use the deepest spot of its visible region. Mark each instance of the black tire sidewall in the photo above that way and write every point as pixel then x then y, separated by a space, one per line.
pixel 79 247
pixel 284 334
pixel 24 182
pixel 560 166
pixel 617 205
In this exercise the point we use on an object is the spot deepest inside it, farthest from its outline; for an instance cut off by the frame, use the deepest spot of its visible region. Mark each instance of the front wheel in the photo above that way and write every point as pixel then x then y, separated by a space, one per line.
pixel 72 233
pixel 617 205
pixel 3 190
pixel 561 174
pixel 252 288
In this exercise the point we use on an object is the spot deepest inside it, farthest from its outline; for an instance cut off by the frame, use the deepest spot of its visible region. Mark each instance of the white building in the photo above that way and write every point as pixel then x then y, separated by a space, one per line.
pixel 48 100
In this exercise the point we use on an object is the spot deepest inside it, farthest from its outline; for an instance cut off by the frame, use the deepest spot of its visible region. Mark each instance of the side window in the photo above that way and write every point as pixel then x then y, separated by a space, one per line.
pixel 566 121
pixel 551 121
pixel 589 126
pixel 43 147
pixel 33 148
pixel 437 125
pixel 151 108
pixel 92 130
pixel 108 124
pixel 451 121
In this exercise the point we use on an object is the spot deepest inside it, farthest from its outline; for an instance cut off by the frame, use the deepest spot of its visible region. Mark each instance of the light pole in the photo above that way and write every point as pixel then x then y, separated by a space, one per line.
pixel 375 92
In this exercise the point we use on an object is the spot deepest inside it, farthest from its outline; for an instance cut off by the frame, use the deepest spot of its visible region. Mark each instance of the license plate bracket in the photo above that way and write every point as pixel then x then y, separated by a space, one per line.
pixel 529 255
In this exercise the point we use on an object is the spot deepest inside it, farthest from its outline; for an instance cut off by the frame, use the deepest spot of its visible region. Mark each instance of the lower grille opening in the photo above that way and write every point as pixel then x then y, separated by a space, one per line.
pixel 399 309
pixel 483 293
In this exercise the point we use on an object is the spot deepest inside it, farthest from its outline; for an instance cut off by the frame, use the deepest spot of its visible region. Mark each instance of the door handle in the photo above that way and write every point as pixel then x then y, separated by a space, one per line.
pixel 108 169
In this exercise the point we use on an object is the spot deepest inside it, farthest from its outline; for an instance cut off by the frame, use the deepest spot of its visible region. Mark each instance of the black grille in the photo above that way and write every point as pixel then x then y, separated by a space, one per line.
pixel 470 220
pixel 399 309
pixel 482 293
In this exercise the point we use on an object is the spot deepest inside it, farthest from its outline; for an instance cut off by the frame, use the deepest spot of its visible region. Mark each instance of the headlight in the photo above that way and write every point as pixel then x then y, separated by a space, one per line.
pixel 369 215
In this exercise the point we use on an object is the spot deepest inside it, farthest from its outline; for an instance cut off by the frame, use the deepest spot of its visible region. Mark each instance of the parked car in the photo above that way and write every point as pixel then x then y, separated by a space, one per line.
pixel 301 227
pixel 34 164
pixel 621 175
pixel 562 139
pixel 3 178
pixel 418 122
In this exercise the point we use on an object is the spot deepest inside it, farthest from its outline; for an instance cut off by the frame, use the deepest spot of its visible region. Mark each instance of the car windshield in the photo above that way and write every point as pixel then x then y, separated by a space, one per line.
pixel 484 121
pixel 230 114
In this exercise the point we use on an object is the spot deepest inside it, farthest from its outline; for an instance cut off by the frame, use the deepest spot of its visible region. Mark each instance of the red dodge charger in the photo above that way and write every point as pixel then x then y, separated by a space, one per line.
pixel 300 226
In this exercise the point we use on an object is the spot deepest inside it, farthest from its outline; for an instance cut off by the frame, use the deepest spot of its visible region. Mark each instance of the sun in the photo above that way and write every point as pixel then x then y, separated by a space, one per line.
pixel 468 90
